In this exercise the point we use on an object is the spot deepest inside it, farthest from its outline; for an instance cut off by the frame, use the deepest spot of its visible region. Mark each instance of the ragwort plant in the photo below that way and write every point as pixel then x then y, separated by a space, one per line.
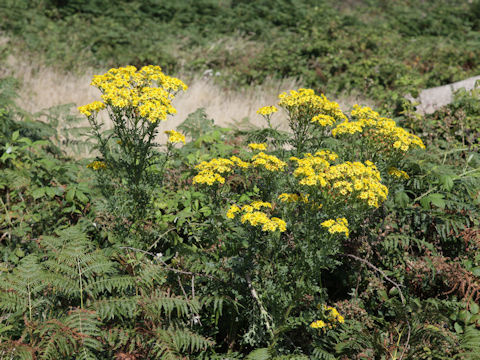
pixel 291 204
pixel 283 208
pixel 136 102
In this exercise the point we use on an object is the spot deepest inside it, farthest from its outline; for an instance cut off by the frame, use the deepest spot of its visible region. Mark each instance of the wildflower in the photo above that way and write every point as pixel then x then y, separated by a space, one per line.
pixel 318 324
pixel 398 173
pixel 340 225
pixel 347 179
pixel 323 120
pixel 210 171
pixel 232 211
pixel 147 92
pixel 239 162
pixel 175 137
pixel 288 197
pixel 252 215
pixel 304 102
pixel 93 107
pixel 255 146
pixel 393 136
pixel 97 165
pixel 267 110
pixel 269 162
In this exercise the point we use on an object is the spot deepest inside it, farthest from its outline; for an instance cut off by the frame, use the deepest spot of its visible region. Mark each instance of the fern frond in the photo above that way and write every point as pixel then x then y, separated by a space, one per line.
pixel 160 305
pixel 469 344
pixel 173 343
pixel 20 291
pixel 120 308
pixel 258 354
pixel 75 333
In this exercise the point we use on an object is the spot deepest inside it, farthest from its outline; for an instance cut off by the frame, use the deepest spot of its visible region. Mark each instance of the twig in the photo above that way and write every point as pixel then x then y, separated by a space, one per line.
pixel 402 298
pixel 263 312
pixel 380 271
pixel 166 267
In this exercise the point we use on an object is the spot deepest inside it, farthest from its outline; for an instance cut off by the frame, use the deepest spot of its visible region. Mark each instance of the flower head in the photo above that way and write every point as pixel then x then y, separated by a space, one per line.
pixel 175 137
pixel 256 146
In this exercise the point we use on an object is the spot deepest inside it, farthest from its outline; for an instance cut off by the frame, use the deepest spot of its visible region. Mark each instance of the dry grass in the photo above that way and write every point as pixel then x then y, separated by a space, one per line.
pixel 43 87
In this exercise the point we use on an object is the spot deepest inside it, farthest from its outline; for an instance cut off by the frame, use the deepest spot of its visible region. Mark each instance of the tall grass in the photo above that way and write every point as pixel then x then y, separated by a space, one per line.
pixel 43 86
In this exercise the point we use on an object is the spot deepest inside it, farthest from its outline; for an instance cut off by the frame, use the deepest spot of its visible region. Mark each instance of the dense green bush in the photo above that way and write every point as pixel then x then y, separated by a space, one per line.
pixel 254 251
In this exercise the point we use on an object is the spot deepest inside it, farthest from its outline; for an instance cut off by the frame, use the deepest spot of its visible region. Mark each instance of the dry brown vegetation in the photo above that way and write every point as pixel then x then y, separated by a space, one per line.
pixel 43 86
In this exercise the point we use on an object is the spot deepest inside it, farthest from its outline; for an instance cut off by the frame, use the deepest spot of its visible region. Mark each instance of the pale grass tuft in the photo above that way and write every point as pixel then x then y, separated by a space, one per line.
pixel 45 86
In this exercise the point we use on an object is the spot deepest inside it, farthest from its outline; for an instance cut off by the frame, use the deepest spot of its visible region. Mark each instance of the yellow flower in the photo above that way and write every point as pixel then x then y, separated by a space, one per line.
pixel 323 120
pixel 232 211
pixel 239 162
pixel 384 131
pixel 304 102
pixel 254 217
pixel 267 110
pixel 97 165
pixel 269 162
pixel 398 173
pixel 318 324
pixel 93 107
pixel 147 92
pixel 175 137
pixel 340 225
pixel 255 146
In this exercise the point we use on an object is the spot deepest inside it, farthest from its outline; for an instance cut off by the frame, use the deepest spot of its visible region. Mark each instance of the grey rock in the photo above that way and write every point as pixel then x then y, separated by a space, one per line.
pixel 433 99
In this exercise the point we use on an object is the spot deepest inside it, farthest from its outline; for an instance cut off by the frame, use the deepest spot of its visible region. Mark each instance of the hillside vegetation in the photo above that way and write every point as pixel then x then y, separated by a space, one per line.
pixel 323 232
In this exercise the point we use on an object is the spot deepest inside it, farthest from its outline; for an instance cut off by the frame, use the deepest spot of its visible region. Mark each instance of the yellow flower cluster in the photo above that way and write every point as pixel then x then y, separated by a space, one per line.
pixel 239 162
pixel 97 165
pixel 384 130
pixel 393 171
pixel 267 110
pixel 175 137
pixel 318 324
pixel 340 225
pixel 289 198
pixel 255 146
pixel 210 171
pixel 255 217
pixel 93 107
pixel 305 102
pixel 348 178
pixel 269 162
pixel 147 92
pixel 323 120
pixel 333 317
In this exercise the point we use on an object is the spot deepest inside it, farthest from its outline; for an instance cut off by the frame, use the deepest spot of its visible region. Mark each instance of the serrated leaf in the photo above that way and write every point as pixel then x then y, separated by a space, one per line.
pixel 81 197
pixel 258 354
pixel 50 192
pixel 458 328
pixel 38 193
pixel 69 196
pixel 401 198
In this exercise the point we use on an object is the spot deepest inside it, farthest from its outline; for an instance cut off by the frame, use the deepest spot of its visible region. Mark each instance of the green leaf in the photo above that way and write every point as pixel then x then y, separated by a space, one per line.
pixel 69 196
pixel 401 198
pixel 50 192
pixel 258 354
pixel 15 135
pixel 458 328
pixel 81 197
pixel 476 271
pixel 474 308
pixel 446 181
pixel 38 193
pixel 436 199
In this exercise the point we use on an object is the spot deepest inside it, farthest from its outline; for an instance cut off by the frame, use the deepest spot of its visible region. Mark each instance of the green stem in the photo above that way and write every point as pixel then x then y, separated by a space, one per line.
pixel 80 283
